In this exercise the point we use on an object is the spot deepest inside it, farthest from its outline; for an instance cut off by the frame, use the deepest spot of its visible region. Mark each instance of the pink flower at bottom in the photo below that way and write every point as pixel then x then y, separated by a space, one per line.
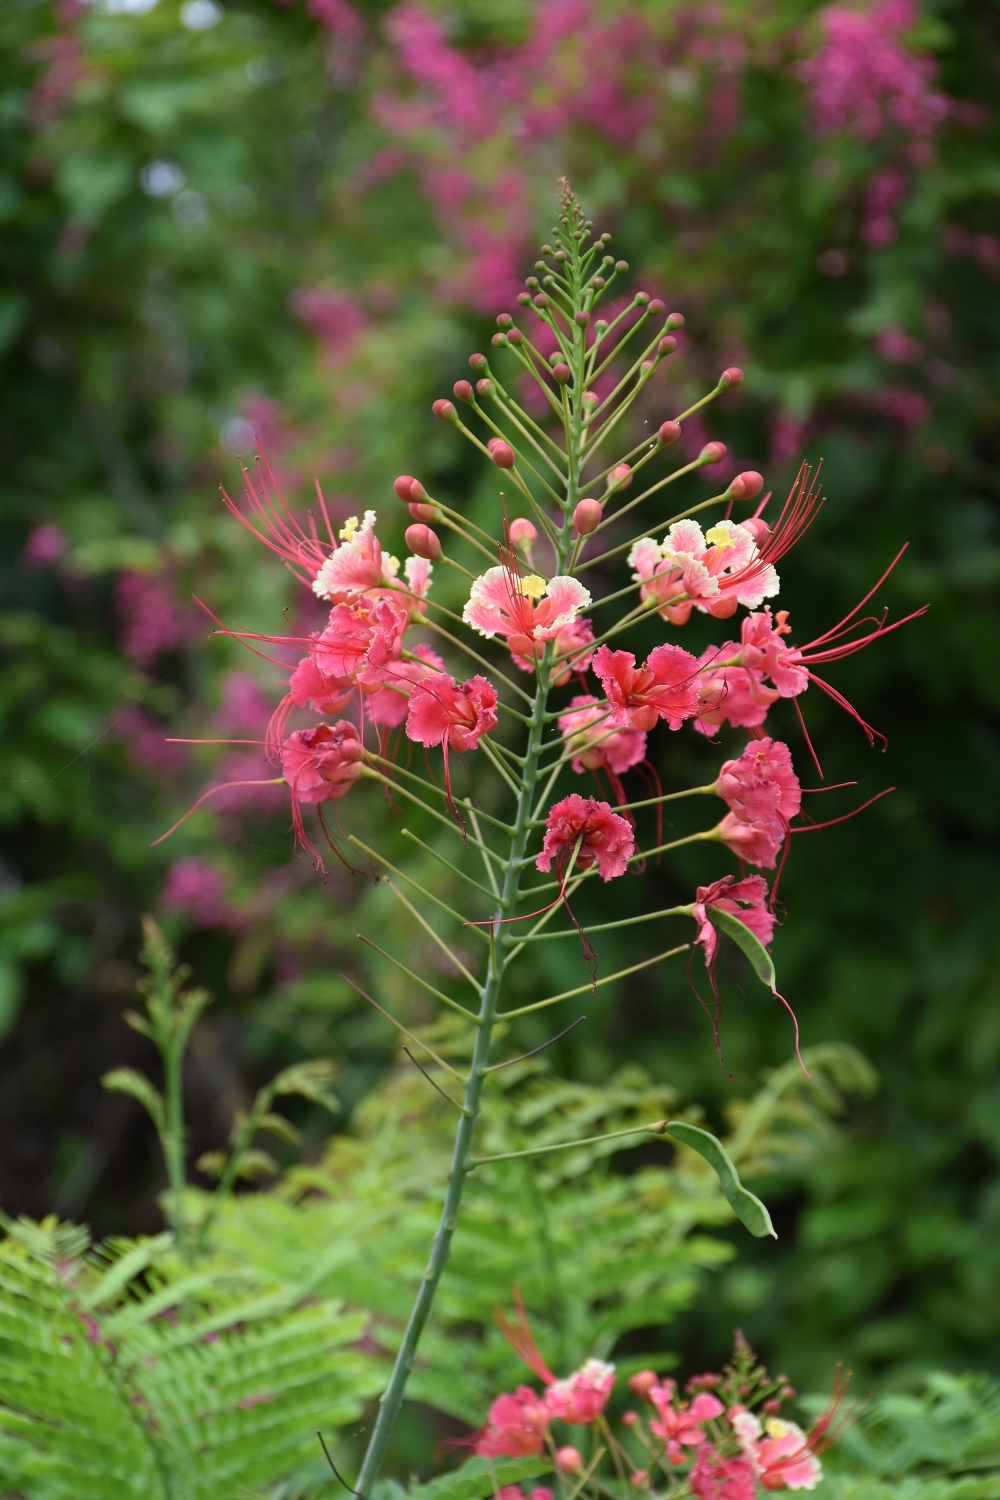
pixel 744 899
pixel 604 837
pixel 515 1426
pixel 320 764
pixel 760 785
pixel 713 1477
pixel 757 843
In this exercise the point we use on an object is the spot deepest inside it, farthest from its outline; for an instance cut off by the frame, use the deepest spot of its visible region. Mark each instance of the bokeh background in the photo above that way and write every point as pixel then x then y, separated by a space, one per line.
pixel 293 222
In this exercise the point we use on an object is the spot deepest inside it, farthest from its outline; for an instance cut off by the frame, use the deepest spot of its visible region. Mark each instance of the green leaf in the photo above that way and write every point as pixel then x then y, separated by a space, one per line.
pixel 754 949
pixel 310 1080
pixel 748 1209
pixel 128 1081
pixel 482 1476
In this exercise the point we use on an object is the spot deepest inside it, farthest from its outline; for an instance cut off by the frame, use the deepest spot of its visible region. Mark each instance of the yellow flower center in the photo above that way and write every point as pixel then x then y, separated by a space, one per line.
pixel 348 529
pixel 719 536
pixel 532 587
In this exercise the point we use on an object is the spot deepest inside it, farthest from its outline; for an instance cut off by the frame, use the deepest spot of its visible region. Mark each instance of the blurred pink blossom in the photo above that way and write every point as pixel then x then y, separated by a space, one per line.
pixel 897 346
pixel 44 547
pixel 902 404
pixel 148 749
pixel 244 708
pixel 197 891
pixel 334 317
pixel 152 620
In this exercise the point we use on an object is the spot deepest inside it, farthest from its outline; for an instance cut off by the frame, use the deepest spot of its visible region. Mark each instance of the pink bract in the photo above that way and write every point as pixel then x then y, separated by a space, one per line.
pixel 666 687
pixel 604 837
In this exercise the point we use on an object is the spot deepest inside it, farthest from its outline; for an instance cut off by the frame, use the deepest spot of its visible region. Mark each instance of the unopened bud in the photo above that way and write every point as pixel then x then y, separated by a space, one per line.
pixel 463 390
pixel 642 1382
pixel 425 513
pixel 417 491
pixel 620 477
pixel 630 1419
pixel 712 453
pixel 423 541
pixel 523 534
pixel 675 320
pixel 445 410
pixel 352 750
pixel 746 485
pixel 569 1460
pixel 639 1478
pixel 540 299
pixel 666 346
pixel 501 453
pixel 787 1393
pixel 499 341
pixel 590 399
pixel 731 377
pixel 485 387
pixel 523 299
pixel 581 319
pixel 641 299
pixel 772 1407
pixel 669 433
pixel 478 361
pixel 656 307
pixel 587 516
pixel 504 320
pixel 531 282
pixel 597 282
pixel 646 367
pixel 561 373
pixel 621 265
pixel 515 336
pixel 402 486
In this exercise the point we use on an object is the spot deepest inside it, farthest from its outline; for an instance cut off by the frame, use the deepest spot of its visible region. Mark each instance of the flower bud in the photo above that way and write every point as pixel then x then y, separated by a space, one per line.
pixel 772 1407
pixel 531 282
pixel 540 299
pixel 499 341
pixel 581 319
pixel 597 282
pixel 484 387
pixel 669 433
pixel 515 336
pixel 352 750
pixel 621 265
pixel 731 377
pixel 620 477
pixel 642 1382
pixel 590 399
pixel 746 485
pixel 523 534
pixel 630 1419
pixel 463 390
pixel 504 320
pixel 477 361
pixel 569 1460
pixel 445 410
pixel 656 307
pixel 646 367
pixel 501 453
pixel 417 491
pixel 641 299
pixel 423 541
pixel 424 513
pixel 675 320
pixel 712 453
pixel 639 1478
pixel 561 373
pixel 666 346
pixel 402 486
pixel 523 299
pixel 587 516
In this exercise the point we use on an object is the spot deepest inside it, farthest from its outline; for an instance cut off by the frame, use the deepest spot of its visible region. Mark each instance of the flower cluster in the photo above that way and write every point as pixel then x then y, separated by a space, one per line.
pixel 723 1438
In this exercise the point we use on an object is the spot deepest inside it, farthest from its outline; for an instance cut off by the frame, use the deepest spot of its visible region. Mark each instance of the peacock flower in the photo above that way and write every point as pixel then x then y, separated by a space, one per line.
pixel 442 713
pixel 361 642
pixel 745 899
pixel 756 842
pixel 590 827
pixel 666 687
pixel 715 1477
pixel 779 1454
pixel 320 765
pixel 595 740
pixel 527 610
pixel 711 571
pixel 515 1426
pixel 680 1426
pixel 574 651
pixel 389 705
pixel 582 1396
pixel 356 566
pixel 760 786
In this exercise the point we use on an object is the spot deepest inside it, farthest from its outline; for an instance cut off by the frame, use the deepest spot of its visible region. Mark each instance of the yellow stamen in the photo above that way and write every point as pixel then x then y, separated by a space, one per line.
pixel 719 536
pixel 348 529
pixel 532 587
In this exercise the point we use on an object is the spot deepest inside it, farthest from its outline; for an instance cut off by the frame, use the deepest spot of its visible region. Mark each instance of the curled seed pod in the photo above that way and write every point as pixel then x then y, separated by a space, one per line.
pixel 641 299
pixel 540 300
pixel 581 319
pixel 504 320
pixel 403 487
pixel 656 307
pixel 587 516
pixel 669 433
pixel 712 453
pixel 561 373
pixel 477 361
pixel 499 341
pixel 485 387
pixel 501 453
pixel 666 346
pixel 731 377
pixel 675 320
pixel 424 513
pixel 463 390
pixel 620 477
pixel 523 535
pixel 445 410
pixel 422 541
pixel 746 485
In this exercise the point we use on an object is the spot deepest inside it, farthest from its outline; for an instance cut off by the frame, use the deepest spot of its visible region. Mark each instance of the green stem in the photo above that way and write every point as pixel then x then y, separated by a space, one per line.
pixel 173 1142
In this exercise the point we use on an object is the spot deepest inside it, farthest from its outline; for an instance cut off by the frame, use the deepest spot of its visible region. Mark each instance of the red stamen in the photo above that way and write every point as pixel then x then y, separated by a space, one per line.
pixel 277 781
pixel 815 827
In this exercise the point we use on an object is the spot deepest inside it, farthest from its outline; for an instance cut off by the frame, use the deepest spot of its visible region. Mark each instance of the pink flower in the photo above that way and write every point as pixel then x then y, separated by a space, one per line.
pixel 308 687
pixel 574 644
pixel 441 712
pixel 761 786
pixel 604 838
pixel 596 740
pixel 713 1477
pixel 582 1396
pixel 152 620
pixel 361 641
pixel 321 764
pixel 733 679
pixel 779 1454
pixel 745 899
pixel 272 523
pixel 756 843
pixel 198 891
pixel 712 572
pixel 681 1425
pixel 388 706
pixel 44 547
pixel 665 688
pixel 528 611
pixel 355 567
pixel 515 1426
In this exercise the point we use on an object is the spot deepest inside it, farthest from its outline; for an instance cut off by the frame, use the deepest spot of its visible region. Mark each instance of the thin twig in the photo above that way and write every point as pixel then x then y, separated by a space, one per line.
pixel 400 1027
pixel 434 1085
pixel 333 1466
pixel 495 1067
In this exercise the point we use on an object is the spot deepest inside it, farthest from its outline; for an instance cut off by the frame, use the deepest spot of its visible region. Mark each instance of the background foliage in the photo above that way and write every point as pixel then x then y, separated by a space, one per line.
pixel 296 223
